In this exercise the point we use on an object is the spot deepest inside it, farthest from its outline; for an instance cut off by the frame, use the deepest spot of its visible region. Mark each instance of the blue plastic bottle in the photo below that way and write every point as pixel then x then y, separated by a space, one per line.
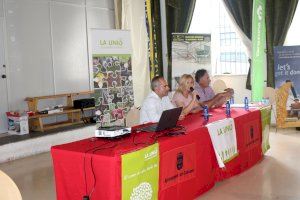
pixel 228 112
pixel 205 113
pixel 232 100
pixel 246 102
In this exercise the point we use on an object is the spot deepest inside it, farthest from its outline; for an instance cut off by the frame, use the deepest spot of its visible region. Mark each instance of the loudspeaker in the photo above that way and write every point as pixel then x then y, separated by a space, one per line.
pixel 84 103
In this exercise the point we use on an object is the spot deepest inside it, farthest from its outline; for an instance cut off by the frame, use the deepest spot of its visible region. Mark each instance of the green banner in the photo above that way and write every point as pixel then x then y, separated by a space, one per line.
pixel 140 172
pixel 265 124
pixel 258 68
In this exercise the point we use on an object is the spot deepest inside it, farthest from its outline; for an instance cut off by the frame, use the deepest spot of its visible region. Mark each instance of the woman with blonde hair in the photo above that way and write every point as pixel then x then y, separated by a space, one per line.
pixel 184 97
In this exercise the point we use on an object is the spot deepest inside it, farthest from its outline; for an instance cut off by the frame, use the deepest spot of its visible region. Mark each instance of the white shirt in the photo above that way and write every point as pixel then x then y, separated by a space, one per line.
pixel 153 106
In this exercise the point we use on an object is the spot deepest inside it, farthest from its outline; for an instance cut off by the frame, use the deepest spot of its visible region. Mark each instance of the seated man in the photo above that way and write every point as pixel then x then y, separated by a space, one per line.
pixel 156 102
pixel 206 93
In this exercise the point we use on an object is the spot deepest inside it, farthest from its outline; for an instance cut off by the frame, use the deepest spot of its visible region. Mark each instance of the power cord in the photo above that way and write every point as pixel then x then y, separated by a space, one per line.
pixel 83 118
pixel 88 195
pixel 176 131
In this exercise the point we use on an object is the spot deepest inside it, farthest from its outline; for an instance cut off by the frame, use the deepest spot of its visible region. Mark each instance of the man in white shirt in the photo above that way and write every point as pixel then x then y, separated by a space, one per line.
pixel 156 102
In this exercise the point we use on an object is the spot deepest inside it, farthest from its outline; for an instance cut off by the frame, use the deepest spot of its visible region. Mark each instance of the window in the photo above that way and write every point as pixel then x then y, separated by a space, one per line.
pixel 292 37
pixel 228 54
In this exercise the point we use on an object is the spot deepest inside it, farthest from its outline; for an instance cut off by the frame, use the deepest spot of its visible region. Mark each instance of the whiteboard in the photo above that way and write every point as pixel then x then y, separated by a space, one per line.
pixel 29 59
pixel 47 45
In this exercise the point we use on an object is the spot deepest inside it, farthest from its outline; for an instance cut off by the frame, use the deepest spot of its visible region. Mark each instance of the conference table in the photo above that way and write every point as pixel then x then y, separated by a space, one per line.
pixel 93 166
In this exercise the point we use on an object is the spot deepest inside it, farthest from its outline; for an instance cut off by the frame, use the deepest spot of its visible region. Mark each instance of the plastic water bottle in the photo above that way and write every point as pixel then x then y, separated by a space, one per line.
pixel 228 113
pixel 265 101
pixel 205 113
pixel 232 100
pixel 246 102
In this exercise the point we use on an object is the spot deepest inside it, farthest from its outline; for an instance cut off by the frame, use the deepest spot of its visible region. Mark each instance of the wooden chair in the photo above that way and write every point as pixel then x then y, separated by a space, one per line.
pixel 8 188
pixel 270 93
pixel 219 86
pixel 133 117
pixel 281 97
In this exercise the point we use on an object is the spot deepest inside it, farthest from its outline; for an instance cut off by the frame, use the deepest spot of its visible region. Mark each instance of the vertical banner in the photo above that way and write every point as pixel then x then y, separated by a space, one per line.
pixel 112 75
pixel 286 67
pixel 190 52
pixel 265 124
pixel 140 173
pixel 258 69
pixel 223 137
pixel 154 34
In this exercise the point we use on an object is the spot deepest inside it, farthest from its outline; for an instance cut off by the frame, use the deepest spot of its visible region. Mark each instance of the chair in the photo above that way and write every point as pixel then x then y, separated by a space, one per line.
pixel 219 86
pixel 8 189
pixel 281 97
pixel 133 117
pixel 269 93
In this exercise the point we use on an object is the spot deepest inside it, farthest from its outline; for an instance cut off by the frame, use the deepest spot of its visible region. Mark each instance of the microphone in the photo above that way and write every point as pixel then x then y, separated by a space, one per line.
pixel 197 96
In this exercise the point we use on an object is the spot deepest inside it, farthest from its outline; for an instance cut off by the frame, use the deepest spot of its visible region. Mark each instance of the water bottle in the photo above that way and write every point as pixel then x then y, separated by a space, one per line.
pixel 246 102
pixel 232 100
pixel 205 113
pixel 228 113
pixel 267 101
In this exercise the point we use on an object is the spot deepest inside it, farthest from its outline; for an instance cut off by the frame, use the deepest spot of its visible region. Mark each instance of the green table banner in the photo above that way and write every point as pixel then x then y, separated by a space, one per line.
pixel 140 173
pixel 265 124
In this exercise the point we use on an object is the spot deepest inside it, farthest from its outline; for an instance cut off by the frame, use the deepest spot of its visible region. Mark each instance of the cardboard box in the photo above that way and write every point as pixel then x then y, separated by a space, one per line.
pixel 17 124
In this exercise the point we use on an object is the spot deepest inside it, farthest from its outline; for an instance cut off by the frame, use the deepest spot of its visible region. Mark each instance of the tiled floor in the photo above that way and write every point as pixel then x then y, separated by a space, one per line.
pixel 6 138
pixel 276 177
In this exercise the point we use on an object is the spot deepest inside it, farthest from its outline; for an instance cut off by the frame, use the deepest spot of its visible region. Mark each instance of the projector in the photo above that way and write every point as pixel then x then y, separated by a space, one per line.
pixel 111 132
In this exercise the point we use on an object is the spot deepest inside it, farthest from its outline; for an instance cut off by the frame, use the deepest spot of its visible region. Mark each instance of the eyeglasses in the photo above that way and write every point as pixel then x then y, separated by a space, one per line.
pixel 165 86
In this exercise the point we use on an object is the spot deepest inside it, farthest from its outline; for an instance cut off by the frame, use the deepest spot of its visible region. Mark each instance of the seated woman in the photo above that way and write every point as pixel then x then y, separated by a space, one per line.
pixel 206 93
pixel 183 96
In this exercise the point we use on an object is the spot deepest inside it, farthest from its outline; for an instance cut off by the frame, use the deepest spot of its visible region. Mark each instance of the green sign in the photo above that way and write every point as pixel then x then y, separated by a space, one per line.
pixel 258 72
pixel 265 124
pixel 140 173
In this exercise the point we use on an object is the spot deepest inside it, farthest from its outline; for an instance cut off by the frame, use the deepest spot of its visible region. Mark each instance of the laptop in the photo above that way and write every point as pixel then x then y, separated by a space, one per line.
pixel 167 120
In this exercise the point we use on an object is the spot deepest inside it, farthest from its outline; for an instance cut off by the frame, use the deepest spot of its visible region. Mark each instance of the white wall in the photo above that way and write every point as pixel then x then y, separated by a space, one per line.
pixel 47 45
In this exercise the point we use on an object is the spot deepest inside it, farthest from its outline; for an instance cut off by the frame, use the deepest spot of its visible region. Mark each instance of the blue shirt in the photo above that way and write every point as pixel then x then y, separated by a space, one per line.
pixel 205 94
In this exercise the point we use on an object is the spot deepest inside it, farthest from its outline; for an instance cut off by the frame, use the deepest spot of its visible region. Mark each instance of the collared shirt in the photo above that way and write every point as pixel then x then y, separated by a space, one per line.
pixel 153 106
pixel 205 94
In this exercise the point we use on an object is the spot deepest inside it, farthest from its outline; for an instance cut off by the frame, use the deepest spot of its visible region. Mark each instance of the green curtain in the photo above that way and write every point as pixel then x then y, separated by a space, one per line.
pixel 153 25
pixel 279 16
pixel 242 12
pixel 179 15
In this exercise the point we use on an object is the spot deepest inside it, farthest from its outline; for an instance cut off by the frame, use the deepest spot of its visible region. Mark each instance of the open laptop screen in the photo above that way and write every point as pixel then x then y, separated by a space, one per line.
pixel 167 120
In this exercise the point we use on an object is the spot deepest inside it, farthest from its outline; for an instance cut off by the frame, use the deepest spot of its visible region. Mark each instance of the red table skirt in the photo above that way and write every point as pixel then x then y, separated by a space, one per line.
pixel 75 162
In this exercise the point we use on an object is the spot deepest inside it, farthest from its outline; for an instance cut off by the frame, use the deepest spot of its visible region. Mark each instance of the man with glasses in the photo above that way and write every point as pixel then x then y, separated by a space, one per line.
pixel 156 102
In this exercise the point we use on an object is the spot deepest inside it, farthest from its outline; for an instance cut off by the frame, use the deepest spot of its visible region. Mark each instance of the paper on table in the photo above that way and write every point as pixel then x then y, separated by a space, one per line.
pixel 242 105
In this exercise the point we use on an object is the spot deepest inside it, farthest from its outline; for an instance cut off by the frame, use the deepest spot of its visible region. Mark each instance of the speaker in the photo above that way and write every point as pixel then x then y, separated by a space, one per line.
pixel 84 103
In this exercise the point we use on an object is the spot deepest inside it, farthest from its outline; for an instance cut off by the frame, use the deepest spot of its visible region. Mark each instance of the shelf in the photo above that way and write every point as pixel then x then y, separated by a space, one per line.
pixel 60 124
pixel 74 115
pixel 65 111
pixel 58 95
